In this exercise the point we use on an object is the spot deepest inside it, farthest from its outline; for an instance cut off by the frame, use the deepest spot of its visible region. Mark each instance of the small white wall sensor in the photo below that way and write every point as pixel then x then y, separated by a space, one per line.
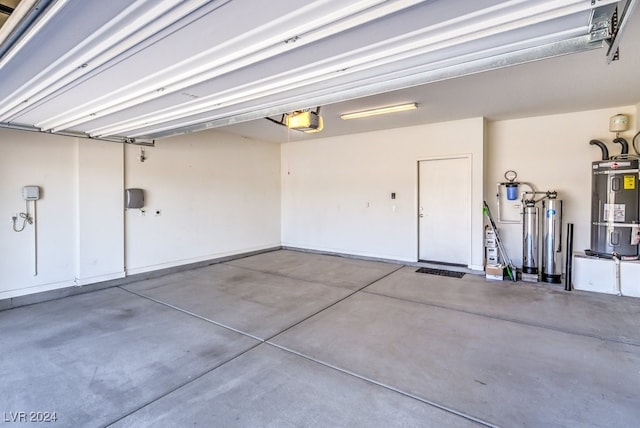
pixel 31 193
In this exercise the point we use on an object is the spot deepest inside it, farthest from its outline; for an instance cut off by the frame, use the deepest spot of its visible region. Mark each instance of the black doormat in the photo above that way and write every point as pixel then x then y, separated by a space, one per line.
pixel 441 272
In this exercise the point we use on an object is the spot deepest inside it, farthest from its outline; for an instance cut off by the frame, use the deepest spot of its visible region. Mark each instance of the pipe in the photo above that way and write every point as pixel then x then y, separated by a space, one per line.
pixel 605 151
pixel 35 240
pixel 624 144
pixel 616 259
pixel 123 140
pixel 569 259
pixel 633 143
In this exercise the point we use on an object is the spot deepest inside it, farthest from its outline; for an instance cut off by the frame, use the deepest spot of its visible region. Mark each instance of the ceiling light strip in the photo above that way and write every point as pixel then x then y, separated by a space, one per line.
pixel 241 58
pixel 378 111
pixel 438 41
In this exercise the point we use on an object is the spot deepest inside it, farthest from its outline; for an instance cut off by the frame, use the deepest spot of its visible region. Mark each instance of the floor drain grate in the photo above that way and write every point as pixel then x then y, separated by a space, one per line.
pixel 441 272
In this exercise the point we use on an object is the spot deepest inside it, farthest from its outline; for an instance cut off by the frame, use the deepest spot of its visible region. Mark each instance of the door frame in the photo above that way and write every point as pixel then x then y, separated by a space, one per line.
pixel 469 159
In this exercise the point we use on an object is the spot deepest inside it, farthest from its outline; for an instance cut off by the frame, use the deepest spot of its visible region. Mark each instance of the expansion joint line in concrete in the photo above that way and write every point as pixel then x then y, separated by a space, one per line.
pixel 310 281
pixel 380 384
pixel 333 303
pixel 260 341
pixel 160 302
pixel 511 320
pixel 384 385
pixel 182 385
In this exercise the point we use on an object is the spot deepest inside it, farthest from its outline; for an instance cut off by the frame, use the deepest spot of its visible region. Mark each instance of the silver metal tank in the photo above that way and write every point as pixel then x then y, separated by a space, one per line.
pixel 530 237
pixel 552 240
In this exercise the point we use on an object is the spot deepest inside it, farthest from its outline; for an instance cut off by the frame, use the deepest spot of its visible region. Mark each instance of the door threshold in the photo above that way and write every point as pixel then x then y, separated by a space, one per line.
pixel 442 263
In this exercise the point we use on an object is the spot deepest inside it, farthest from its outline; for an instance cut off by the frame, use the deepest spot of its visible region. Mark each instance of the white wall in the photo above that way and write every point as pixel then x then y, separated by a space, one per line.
pixel 218 194
pixel 553 153
pixel 100 226
pixel 336 191
pixel 79 222
pixel 49 162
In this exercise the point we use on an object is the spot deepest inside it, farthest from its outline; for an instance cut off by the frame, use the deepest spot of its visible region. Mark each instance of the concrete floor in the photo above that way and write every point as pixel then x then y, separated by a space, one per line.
pixel 297 339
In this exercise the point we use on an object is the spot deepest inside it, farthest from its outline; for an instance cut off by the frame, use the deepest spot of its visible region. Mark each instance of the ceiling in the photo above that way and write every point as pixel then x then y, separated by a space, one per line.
pixel 148 69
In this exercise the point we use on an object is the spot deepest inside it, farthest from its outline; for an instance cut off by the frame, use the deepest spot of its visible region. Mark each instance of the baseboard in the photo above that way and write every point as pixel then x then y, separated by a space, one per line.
pixel 101 278
pixel 35 289
pixel 345 253
pixel 196 261
pixel 349 255
pixel 70 288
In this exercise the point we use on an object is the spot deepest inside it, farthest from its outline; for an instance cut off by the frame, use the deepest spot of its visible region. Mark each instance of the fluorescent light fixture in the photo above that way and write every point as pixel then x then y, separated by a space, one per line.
pixel 377 111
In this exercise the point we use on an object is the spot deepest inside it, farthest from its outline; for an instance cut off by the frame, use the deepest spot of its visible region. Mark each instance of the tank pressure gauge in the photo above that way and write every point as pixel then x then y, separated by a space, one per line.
pixel 619 123
pixel 510 176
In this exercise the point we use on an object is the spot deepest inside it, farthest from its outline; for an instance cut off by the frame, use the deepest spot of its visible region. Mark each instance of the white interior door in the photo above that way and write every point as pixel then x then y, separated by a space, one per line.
pixel 444 210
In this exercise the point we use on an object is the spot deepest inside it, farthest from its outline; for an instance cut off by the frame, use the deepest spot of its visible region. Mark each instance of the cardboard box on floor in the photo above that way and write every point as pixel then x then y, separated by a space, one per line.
pixel 495 272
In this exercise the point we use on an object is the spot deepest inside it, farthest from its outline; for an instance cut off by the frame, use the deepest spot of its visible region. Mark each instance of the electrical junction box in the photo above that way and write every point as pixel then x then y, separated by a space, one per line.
pixel 31 193
pixel 133 198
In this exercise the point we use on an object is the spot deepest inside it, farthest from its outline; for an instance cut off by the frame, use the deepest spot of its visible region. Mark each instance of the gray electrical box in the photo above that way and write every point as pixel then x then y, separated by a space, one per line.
pixel 134 198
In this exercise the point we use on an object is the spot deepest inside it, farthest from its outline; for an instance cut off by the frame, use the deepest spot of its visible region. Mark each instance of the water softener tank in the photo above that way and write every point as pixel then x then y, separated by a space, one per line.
pixel 530 238
pixel 615 209
pixel 552 240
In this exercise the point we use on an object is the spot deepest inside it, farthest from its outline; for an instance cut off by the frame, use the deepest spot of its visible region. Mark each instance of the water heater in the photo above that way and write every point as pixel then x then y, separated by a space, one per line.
pixel 615 209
